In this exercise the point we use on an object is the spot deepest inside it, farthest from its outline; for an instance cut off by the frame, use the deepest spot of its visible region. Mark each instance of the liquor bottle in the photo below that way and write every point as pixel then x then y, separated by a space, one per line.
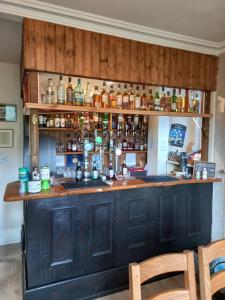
pixel 50 92
pixel 168 101
pixel 104 96
pixel 69 146
pixel 113 121
pixel 137 99
pixel 78 94
pixel 110 171
pixel 125 98
pixel 79 173
pixel 105 121
pixel 68 122
pixel 119 101
pixel 74 146
pixel 100 121
pixel 131 97
pixel 95 119
pixel 174 101
pixel 196 104
pixel 41 121
pixel 163 100
pixel 179 102
pixel 112 97
pixel 69 93
pixel 96 98
pixel 151 101
pixel 157 101
pixel 94 171
pixel 51 122
pixel 61 91
pixel 57 121
pixel 191 103
pixel 62 122
pixel 87 96
pixel 124 144
pixel 143 99
pixel 124 169
pixel 186 101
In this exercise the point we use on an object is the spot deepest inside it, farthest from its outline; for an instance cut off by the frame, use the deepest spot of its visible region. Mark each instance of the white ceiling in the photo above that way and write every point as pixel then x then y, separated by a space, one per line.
pixel 204 19
pixel 11 39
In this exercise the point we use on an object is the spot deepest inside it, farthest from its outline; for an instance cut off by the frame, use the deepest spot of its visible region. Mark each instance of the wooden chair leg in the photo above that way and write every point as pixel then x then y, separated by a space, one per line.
pixel 134 282
pixel 204 274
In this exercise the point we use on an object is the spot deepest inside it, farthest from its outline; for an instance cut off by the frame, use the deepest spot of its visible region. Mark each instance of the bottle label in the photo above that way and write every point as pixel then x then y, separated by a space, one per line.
pixel 137 102
pixel 57 122
pixel 131 98
pixel 111 173
pixel 95 174
pixel 125 99
pixel 173 106
pixel 63 123
pixel 79 174
pixel 88 100
pixel 119 100
pixel 105 99
pixel 79 99
pixel 125 171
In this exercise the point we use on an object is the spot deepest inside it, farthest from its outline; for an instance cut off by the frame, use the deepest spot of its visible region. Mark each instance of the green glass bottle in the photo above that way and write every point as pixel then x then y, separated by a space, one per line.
pixel 174 101
pixel 78 94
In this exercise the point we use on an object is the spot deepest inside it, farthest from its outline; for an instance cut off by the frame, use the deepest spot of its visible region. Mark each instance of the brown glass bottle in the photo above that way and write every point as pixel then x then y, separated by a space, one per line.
pixel 104 96
pixel 69 93
pixel 96 98
pixel 112 97
pixel 151 100
pixel 125 98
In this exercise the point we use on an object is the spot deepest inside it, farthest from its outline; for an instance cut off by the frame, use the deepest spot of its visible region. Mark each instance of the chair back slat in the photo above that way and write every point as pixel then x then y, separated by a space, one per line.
pixel 162 264
pixel 217 282
pixel 179 294
pixel 210 285
pixel 139 273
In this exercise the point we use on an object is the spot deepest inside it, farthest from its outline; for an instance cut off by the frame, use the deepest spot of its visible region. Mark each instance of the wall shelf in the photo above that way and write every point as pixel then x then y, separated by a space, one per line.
pixel 72 109
pixel 106 152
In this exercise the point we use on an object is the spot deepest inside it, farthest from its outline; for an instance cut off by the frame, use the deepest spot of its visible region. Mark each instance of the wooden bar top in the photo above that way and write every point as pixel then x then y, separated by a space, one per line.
pixel 12 189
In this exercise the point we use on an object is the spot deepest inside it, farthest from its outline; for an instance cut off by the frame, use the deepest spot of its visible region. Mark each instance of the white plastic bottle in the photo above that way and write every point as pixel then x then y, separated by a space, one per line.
pixel 204 174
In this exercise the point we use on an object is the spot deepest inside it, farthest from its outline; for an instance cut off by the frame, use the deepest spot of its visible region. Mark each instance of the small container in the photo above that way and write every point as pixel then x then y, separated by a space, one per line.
pixel 23 174
pixel 198 175
pixel 45 185
pixel 23 187
pixel 45 173
pixel 34 186
pixel 204 174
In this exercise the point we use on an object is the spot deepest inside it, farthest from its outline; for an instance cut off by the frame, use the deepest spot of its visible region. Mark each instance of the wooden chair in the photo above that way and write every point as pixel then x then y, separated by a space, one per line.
pixel 139 273
pixel 210 285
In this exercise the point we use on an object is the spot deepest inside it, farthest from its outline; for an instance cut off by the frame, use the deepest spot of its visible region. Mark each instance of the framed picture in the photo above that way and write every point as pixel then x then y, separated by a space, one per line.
pixel 8 112
pixel 210 167
pixel 177 135
pixel 6 138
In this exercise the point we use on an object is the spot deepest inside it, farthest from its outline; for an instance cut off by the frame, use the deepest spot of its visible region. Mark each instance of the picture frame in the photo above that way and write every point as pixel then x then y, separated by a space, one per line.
pixel 210 167
pixel 8 112
pixel 6 138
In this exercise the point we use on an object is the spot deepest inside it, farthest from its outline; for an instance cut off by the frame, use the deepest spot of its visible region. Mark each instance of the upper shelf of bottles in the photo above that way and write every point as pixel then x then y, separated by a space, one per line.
pixel 91 95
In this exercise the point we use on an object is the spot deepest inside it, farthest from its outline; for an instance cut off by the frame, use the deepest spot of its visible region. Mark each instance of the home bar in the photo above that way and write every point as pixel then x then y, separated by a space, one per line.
pixel 116 166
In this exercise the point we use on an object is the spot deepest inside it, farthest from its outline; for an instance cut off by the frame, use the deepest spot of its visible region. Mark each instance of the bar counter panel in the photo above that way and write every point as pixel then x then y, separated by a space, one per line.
pixel 78 246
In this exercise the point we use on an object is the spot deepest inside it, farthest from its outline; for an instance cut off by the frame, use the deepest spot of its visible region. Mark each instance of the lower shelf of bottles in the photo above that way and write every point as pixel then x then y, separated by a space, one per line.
pixel 106 152
pixel 69 108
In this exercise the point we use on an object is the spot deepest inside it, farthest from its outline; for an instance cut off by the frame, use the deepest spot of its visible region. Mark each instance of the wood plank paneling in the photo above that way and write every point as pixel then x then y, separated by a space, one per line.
pixel 104 56
pixel 59 48
pixel 40 44
pixel 69 64
pixel 50 44
pixel 95 55
pixel 78 44
pixel 55 48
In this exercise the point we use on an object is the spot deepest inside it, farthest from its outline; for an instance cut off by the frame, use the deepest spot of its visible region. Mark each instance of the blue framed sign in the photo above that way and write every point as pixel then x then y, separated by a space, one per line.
pixel 177 135
pixel 8 112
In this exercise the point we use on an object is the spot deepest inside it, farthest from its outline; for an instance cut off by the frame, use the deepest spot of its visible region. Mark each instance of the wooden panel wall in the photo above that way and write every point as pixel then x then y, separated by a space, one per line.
pixel 70 51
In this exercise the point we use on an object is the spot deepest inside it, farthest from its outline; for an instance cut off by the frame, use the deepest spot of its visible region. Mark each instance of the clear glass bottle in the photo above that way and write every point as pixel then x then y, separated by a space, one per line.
pixel 196 104
pixel 87 96
pixel 62 122
pixel 96 98
pixel 125 98
pixel 157 101
pixel 179 102
pixel 61 91
pixel 191 102
pixel 78 94
pixel 104 96
pixel 131 97
pixel 119 98
pixel 174 101
pixel 112 97
pixel 69 92
pixel 57 121
pixel 144 99
pixel 137 99
pixel 50 92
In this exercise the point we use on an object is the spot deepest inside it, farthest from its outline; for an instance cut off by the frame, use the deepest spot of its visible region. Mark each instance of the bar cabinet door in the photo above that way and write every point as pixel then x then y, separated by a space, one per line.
pixel 95 214
pixel 51 246
pixel 133 226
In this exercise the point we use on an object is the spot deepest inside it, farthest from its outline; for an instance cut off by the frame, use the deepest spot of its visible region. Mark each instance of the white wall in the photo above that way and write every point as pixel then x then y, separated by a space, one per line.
pixel 11 158
pixel 217 152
